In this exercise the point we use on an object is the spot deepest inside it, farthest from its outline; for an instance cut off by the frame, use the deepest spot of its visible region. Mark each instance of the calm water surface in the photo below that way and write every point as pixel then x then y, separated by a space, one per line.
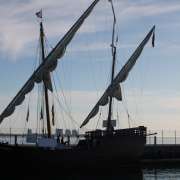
pixel 131 174
pixel 126 174
pixel 161 174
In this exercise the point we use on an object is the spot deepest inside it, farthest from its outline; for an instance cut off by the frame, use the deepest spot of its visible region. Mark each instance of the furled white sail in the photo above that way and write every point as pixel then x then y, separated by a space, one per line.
pixel 114 89
pixel 48 65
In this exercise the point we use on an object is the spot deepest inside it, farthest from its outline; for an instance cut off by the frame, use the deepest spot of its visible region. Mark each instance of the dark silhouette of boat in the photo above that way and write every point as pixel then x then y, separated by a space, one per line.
pixel 98 148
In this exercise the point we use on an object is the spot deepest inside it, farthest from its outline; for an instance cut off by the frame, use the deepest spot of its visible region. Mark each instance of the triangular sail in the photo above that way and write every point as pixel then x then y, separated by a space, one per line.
pixel 48 65
pixel 114 88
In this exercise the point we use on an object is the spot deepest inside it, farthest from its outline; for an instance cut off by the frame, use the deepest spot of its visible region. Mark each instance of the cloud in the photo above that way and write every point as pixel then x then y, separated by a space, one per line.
pixel 150 9
pixel 19 34
pixel 19 29
pixel 150 109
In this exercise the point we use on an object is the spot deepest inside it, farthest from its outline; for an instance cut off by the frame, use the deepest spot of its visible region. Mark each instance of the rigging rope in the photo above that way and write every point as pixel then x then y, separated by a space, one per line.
pixel 98 119
pixel 30 94
pixel 61 106
pixel 125 107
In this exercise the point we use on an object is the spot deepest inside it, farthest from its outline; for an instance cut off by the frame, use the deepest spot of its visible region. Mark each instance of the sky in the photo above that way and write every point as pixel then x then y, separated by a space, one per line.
pixel 151 94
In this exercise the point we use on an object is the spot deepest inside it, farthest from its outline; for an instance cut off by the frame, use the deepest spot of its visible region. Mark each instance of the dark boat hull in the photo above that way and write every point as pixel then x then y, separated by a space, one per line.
pixel 118 150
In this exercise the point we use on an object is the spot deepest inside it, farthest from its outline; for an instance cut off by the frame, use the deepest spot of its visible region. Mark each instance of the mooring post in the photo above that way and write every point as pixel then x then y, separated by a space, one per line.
pixel 162 137
pixel 175 136
pixel 15 139
pixel 10 136
pixel 155 140
pixel 149 137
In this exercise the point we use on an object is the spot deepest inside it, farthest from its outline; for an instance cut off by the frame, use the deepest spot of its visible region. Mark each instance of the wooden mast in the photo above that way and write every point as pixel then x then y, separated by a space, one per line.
pixel 44 83
pixel 109 125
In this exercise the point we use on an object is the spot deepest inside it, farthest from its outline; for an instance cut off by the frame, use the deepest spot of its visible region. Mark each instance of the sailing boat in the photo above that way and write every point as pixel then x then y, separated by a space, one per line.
pixel 99 147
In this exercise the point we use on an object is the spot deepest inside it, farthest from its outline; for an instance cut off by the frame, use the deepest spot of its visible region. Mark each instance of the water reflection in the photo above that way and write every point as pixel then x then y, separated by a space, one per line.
pixel 113 174
pixel 161 174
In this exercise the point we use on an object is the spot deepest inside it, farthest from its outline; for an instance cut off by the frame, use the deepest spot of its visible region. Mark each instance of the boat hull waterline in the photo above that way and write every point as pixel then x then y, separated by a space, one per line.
pixel 124 147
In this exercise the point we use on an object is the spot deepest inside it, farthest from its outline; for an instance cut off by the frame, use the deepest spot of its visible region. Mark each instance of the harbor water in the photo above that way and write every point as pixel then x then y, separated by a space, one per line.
pixel 141 174
pixel 161 174
pixel 128 174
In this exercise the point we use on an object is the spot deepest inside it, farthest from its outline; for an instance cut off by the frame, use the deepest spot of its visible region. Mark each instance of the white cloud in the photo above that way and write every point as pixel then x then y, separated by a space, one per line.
pixel 150 9
pixel 19 28
pixel 18 23
pixel 150 109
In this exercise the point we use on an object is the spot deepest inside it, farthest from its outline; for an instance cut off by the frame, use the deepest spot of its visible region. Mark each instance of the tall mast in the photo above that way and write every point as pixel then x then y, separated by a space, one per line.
pixel 44 83
pixel 109 125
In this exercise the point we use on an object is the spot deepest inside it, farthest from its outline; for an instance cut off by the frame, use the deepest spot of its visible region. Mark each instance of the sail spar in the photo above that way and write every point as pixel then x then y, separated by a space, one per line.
pixel 114 89
pixel 48 65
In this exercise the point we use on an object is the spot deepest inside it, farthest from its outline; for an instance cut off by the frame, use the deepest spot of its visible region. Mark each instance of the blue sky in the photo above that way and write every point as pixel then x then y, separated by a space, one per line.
pixel 152 91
